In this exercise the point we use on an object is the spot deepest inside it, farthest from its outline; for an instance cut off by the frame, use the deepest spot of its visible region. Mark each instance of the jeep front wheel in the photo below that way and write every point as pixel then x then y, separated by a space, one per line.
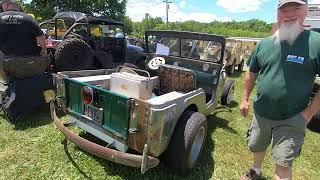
pixel 228 92
pixel 241 65
pixel 187 142
pixel 230 69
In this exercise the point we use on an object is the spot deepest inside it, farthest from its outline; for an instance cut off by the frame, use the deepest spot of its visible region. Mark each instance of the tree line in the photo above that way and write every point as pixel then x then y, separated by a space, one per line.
pixel 116 9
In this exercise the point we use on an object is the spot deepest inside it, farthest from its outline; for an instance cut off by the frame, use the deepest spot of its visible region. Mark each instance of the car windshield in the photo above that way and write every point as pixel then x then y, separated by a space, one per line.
pixel 62 26
pixel 186 48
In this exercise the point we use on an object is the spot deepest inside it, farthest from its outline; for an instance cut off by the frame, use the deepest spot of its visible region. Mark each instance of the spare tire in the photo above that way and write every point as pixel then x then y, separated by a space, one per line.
pixel 73 54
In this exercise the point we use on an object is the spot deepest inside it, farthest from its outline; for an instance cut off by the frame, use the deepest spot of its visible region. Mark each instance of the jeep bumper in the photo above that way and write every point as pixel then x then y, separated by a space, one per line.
pixel 144 161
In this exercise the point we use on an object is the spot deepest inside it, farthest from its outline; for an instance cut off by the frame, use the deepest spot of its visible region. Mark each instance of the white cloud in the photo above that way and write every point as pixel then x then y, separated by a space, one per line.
pixel 314 2
pixel 182 4
pixel 204 17
pixel 241 5
pixel 136 10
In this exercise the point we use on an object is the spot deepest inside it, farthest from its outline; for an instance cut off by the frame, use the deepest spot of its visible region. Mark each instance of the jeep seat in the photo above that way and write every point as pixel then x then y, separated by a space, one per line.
pixel 175 78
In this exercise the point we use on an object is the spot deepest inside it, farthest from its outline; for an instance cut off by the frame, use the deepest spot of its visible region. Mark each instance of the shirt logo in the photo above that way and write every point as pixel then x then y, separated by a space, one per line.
pixel 11 19
pixel 295 59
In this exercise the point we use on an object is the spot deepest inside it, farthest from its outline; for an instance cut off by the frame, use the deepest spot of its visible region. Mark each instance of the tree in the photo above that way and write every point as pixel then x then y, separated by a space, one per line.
pixel 147 23
pixel 44 9
pixel 128 25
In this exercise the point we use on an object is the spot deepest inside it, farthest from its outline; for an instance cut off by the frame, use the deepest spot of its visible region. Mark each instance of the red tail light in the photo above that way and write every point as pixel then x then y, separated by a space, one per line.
pixel 87 95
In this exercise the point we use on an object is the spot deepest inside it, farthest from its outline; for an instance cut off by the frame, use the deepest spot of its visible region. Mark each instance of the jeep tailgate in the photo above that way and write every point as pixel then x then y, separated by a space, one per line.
pixel 114 107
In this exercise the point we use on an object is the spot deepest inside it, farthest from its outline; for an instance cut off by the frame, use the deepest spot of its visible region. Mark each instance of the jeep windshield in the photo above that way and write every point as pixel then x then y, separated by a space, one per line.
pixel 189 45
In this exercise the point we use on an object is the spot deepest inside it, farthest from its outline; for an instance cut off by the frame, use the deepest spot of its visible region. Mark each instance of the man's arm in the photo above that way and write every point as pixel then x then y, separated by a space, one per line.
pixel 249 83
pixel 41 40
pixel 313 108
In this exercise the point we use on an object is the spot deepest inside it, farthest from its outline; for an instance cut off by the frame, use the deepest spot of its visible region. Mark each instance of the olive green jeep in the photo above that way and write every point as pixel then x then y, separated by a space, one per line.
pixel 161 111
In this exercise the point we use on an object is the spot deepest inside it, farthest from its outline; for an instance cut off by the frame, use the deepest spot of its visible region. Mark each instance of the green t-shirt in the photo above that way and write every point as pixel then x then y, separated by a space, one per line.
pixel 286 74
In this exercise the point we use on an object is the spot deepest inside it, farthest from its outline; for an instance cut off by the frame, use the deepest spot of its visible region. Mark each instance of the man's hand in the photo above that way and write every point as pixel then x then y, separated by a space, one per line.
pixel 249 82
pixel 41 40
pixel 244 108
pixel 312 109
pixel 43 53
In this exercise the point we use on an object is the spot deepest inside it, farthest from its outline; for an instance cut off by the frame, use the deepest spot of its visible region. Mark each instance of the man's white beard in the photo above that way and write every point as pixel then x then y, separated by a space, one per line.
pixel 288 32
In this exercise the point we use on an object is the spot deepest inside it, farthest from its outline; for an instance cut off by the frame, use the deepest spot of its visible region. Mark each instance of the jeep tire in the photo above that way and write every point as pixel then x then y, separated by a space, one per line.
pixel 187 142
pixel 73 54
pixel 227 93
pixel 230 69
pixel 241 65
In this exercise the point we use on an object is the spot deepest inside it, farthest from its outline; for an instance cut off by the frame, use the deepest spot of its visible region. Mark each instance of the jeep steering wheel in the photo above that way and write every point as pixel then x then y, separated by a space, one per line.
pixel 156 62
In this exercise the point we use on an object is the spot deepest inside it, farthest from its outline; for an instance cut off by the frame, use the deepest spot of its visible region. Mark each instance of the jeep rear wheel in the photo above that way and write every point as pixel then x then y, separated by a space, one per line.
pixel 73 54
pixel 187 142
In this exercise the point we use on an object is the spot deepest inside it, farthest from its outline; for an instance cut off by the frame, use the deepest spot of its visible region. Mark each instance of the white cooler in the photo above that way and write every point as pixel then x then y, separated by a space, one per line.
pixel 98 80
pixel 132 85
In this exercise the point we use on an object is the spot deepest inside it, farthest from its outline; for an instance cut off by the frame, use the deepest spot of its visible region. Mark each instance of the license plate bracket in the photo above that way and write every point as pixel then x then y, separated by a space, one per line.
pixel 93 113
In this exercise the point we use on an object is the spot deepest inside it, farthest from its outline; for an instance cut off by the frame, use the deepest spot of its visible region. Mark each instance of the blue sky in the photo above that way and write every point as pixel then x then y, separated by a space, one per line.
pixel 206 10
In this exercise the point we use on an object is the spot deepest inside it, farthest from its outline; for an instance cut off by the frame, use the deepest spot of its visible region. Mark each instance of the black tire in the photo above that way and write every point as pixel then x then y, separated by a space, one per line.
pixel 227 93
pixel 73 54
pixel 230 69
pixel 191 126
pixel 241 65
pixel 314 124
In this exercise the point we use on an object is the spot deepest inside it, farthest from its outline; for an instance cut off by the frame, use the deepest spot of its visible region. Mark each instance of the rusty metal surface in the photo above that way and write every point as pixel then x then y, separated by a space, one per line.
pixel 101 151
pixel 137 140
pixel 164 117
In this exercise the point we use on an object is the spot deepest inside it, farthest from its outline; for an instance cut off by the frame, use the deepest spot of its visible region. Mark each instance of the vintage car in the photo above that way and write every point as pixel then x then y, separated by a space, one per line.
pixel 157 112
pixel 78 41
pixel 238 50
pixel 233 56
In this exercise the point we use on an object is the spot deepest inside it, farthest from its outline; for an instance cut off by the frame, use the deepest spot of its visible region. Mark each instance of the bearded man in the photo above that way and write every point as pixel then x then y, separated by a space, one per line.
pixel 284 65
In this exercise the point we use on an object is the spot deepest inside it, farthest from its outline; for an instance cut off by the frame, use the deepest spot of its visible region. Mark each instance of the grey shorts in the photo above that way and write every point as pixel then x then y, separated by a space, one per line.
pixel 287 137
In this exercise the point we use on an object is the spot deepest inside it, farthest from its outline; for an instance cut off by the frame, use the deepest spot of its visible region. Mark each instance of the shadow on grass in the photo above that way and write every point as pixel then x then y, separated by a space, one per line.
pixel 65 147
pixel 38 117
pixel 218 122
pixel 233 104
pixel 203 170
pixel 236 74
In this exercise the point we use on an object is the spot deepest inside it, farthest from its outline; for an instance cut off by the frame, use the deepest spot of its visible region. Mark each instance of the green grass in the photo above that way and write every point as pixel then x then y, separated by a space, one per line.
pixel 35 149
